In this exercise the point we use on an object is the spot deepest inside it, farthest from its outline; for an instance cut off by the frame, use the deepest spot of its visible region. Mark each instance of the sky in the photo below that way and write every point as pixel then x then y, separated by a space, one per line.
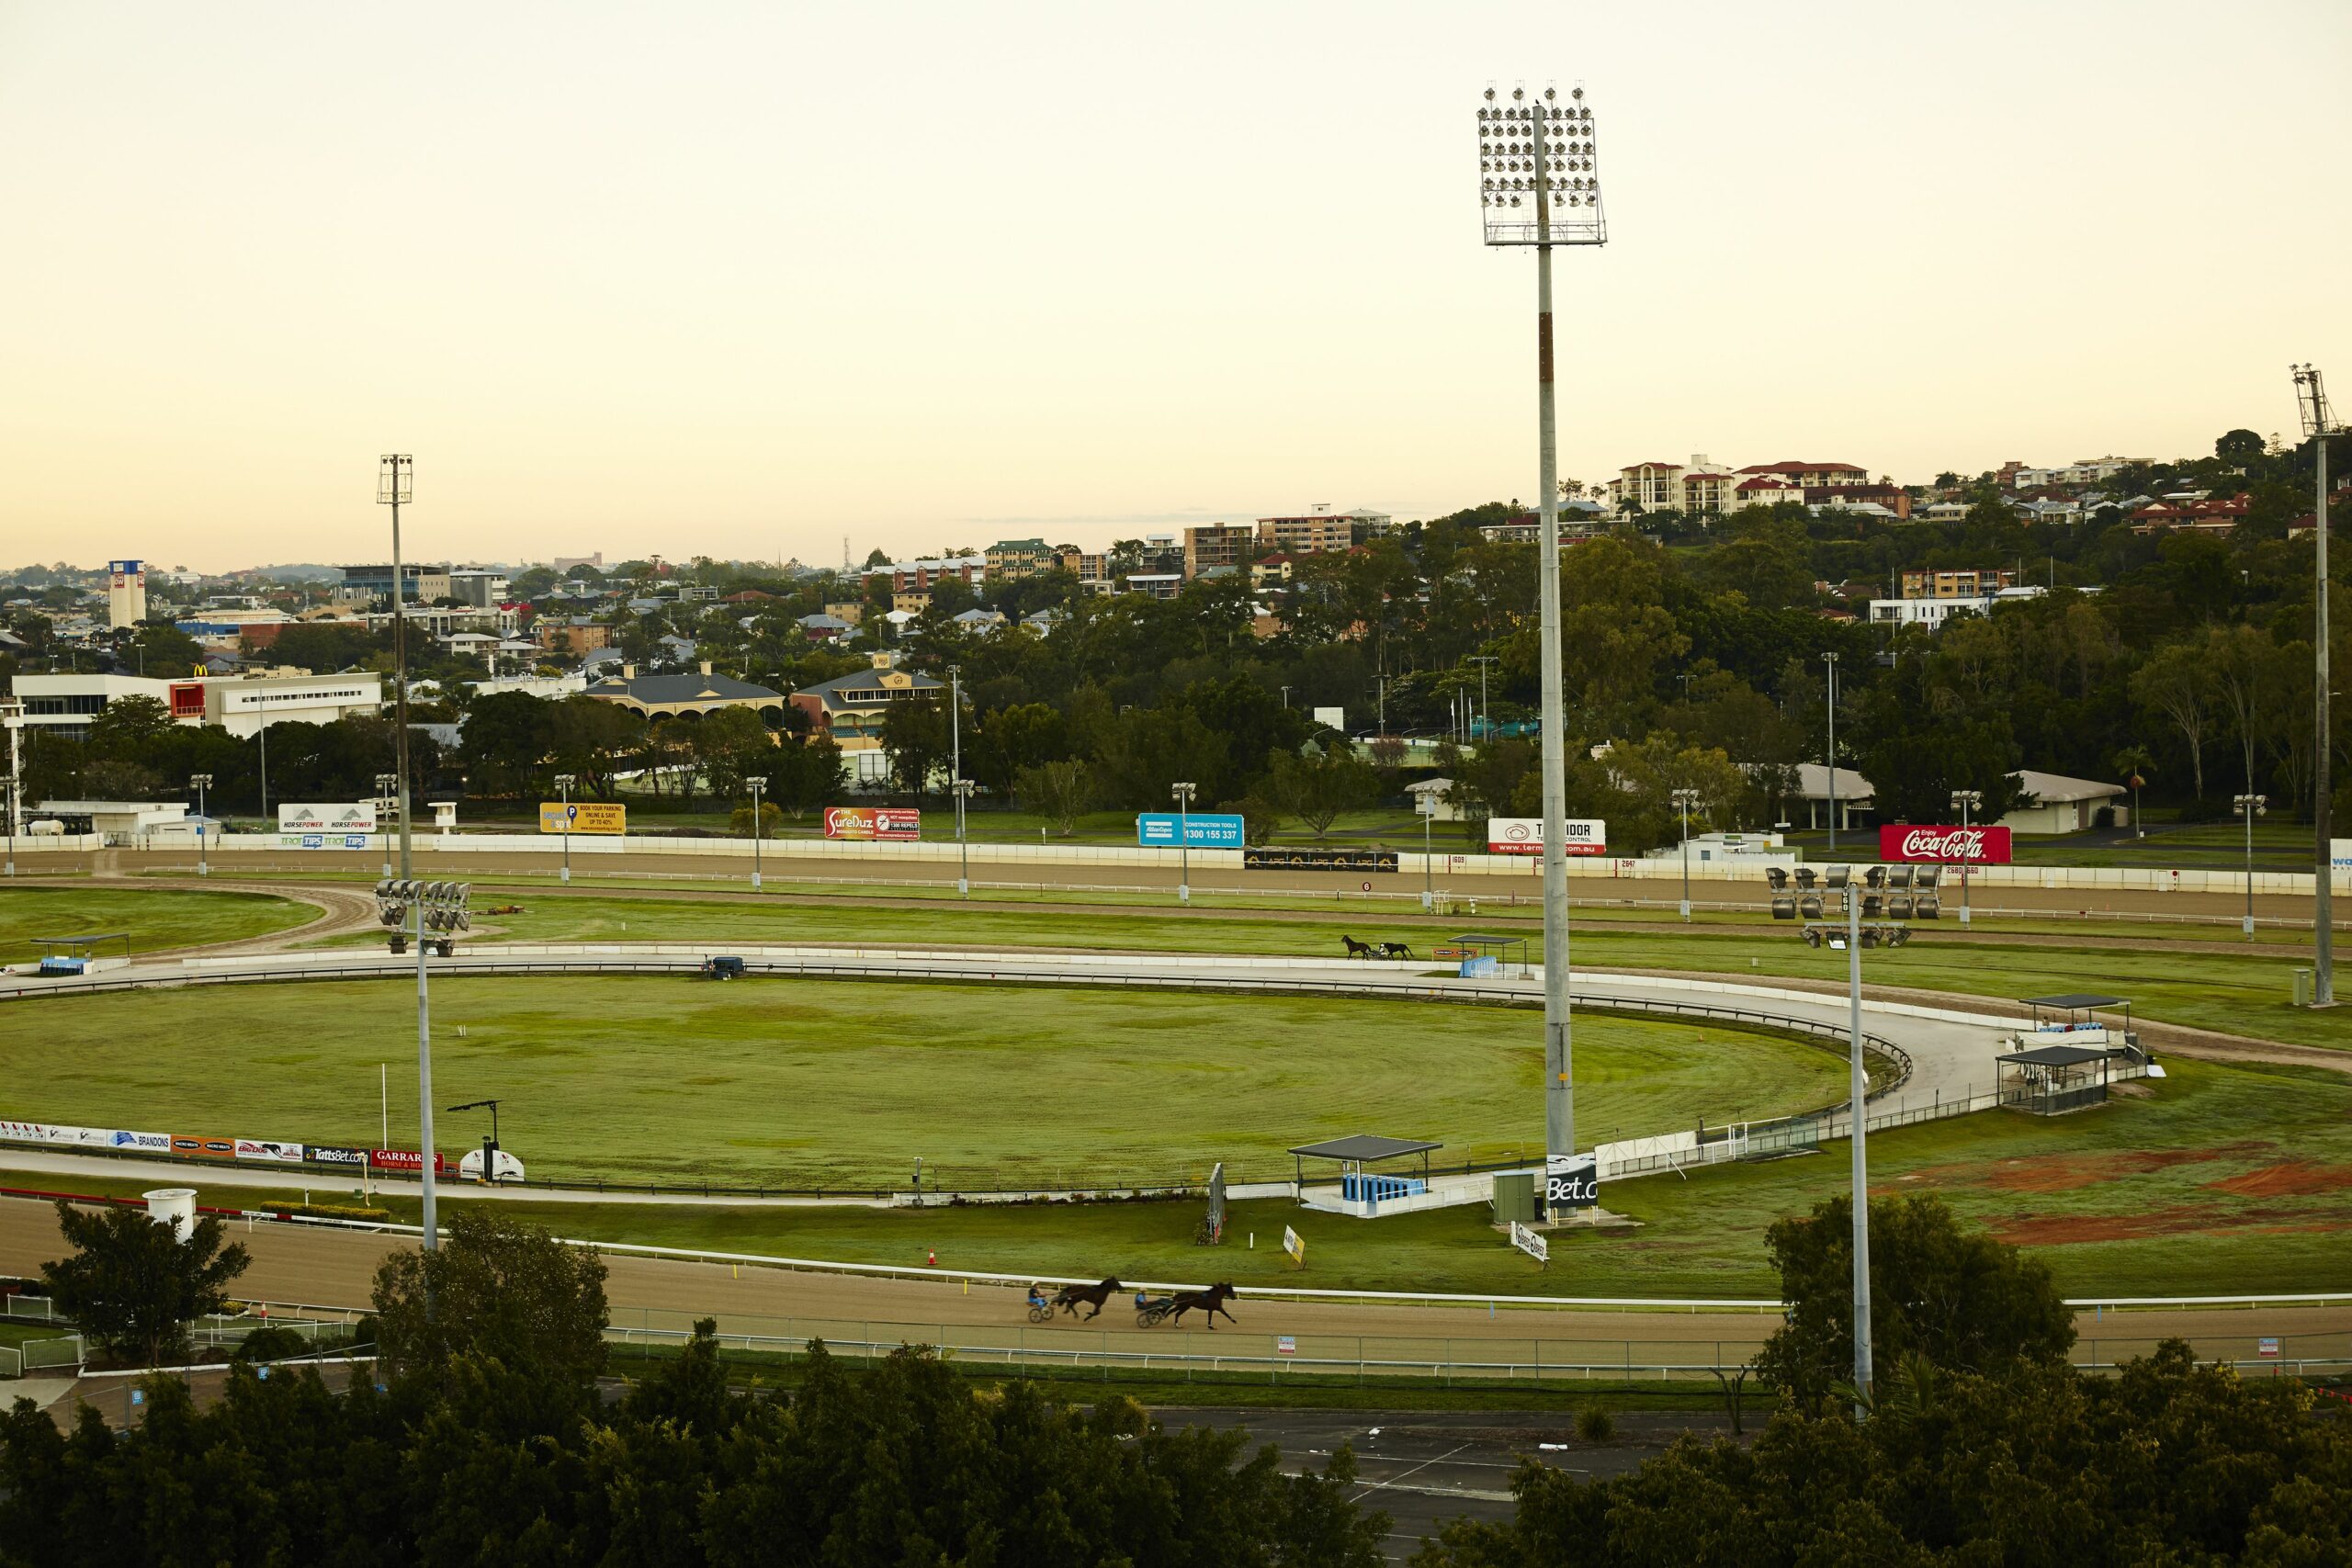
pixel 748 280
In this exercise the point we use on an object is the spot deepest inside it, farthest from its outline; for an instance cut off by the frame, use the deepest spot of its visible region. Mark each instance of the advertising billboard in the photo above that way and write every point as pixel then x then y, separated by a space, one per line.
pixel 270 1150
pixel 336 816
pixel 1166 829
pixel 866 822
pixel 584 817
pixel 1977 846
pixel 334 1153
pixel 1571 1181
pixel 1525 835
pixel 405 1160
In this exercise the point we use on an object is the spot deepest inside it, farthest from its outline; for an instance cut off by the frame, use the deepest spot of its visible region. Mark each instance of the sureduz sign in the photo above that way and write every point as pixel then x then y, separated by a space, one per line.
pixel 1929 842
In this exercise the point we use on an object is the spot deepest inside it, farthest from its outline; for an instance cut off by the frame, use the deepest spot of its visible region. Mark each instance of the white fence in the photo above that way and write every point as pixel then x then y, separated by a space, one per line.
pixel 1411 864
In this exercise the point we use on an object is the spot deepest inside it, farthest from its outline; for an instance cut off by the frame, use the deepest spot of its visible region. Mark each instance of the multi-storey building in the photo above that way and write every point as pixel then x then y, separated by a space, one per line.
pixel 1960 583
pixel 1010 560
pixel 126 592
pixel 917 576
pixel 1323 529
pixel 1218 543
pixel 851 707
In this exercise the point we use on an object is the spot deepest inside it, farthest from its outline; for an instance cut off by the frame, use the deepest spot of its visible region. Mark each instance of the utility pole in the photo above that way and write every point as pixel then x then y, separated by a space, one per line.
pixel 1486 726
pixel 1539 153
pixel 758 829
pixel 1183 794
pixel 2310 401
pixel 1684 799
pixel 1967 800
pixel 955 771
pixel 1858 1092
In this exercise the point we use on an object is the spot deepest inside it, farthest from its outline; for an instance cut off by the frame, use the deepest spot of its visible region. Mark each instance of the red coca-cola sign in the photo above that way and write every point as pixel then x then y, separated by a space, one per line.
pixel 1977 846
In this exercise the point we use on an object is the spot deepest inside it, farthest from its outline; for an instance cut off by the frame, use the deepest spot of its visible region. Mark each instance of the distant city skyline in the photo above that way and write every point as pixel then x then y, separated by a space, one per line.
pixel 745 279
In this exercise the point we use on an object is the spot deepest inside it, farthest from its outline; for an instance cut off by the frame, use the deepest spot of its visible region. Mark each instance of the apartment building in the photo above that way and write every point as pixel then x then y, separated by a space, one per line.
pixel 1010 560
pixel 1218 543
pixel 1321 528
pixel 1956 583
pixel 918 576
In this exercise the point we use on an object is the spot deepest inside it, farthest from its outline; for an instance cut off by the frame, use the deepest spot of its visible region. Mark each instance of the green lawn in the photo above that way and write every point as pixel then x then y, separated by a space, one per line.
pixel 155 917
pixel 2224 1179
pixel 2246 993
pixel 783 1082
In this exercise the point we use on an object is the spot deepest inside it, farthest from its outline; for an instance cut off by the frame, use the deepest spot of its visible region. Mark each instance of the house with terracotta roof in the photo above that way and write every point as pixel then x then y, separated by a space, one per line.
pixel 2202 515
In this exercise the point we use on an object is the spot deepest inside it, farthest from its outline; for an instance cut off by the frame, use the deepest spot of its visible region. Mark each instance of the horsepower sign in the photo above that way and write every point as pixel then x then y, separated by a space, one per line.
pixel 1977 846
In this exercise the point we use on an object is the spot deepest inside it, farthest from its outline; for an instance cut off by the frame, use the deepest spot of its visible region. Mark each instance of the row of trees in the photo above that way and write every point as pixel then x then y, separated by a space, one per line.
pixel 482 1437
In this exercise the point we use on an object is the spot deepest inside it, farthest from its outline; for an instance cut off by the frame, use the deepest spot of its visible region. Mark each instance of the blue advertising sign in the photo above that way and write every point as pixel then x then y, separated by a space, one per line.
pixel 1159 830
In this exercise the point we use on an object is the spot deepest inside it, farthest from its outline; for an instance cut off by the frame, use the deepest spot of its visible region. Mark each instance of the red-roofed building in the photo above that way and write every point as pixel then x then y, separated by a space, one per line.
pixel 2213 516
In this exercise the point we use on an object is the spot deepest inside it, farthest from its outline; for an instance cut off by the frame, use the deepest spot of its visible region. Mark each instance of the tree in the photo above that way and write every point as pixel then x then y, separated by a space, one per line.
pixel 133 1285
pixel 1960 1300
pixel 1060 792
pixel 2238 448
pixel 2134 763
pixel 916 733
pixel 161 649
pixel 495 1287
pixel 2178 683
pixel 805 775
pixel 740 822
pixel 125 727
pixel 1316 789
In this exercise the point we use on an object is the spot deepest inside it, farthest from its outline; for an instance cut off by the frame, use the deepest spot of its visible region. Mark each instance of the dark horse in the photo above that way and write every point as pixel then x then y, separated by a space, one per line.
pixel 1211 1301
pixel 1395 950
pixel 1069 1296
pixel 1359 949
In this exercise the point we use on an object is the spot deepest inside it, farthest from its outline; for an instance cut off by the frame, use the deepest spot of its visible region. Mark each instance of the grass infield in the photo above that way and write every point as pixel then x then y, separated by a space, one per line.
pixel 155 918
pixel 788 1082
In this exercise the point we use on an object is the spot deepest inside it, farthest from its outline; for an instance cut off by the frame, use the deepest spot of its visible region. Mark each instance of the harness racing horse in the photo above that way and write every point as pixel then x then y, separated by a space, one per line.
pixel 1359 949
pixel 1395 950
pixel 1211 1301
pixel 1069 1297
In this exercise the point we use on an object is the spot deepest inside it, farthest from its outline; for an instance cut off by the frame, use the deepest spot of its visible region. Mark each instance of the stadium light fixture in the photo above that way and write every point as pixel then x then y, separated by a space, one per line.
pixel 1807 903
pixel 1966 801
pixel 2319 424
pixel 1536 187
pixel 198 783
pixel 439 906
pixel 759 786
pixel 2250 807
pixel 385 785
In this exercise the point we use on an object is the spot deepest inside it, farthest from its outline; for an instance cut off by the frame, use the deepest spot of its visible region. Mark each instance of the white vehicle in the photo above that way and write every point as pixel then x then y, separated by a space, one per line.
pixel 508 1167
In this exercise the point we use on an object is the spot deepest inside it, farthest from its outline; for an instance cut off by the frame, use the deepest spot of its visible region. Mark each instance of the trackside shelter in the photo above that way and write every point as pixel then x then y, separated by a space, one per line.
pixel 2049 1079
pixel 1358 1150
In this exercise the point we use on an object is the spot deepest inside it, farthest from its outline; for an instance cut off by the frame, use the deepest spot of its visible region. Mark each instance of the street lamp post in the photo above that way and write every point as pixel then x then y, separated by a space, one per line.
pixel 1858 1114
pixel 1967 800
pixel 198 783
pixel 385 785
pixel 1183 794
pixel 2319 424
pixel 1830 660
pixel 1685 799
pixel 1485 717
pixel 563 783
pixel 491 1145
pixel 2250 807
pixel 759 826
pixel 12 717
pixel 1534 158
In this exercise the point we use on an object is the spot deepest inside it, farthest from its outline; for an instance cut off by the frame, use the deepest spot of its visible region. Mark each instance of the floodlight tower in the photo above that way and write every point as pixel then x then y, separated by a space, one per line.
pixel 395 486
pixel 2311 402
pixel 1535 159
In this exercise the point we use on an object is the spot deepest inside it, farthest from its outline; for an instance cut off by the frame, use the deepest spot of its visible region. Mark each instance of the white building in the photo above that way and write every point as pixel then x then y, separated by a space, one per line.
pixel 1933 613
pixel 126 592
pixel 66 703
pixel 243 705
pixel 2065 806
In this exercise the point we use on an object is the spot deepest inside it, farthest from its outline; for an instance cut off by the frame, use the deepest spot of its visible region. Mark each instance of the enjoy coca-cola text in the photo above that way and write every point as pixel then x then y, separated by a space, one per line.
pixel 1926 841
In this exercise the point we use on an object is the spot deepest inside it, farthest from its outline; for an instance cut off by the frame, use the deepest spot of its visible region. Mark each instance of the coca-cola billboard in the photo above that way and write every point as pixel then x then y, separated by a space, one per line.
pixel 1976 846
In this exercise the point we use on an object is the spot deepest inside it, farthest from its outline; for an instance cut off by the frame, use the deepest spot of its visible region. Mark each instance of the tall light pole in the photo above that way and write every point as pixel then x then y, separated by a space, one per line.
pixel 395 486
pixel 198 783
pixel 2310 401
pixel 1685 799
pixel 12 717
pixel 1183 794
pixel 1427 804
pixel 956 770
pixel 385 785
pixel 1966 800
pixel 1858 1101
pixel 758 827
pixel 2250 807
pixel 1485 717
pixel 563 783
pixel 963 846
pixel 1534 156
pixel 1830 660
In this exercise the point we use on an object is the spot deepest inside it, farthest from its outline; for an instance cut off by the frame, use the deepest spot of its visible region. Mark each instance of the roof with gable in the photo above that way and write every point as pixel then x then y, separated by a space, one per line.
pixel 661 688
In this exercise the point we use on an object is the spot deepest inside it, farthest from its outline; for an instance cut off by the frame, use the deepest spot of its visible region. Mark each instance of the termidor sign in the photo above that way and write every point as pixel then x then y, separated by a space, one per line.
pixel 1977 846
pixel 1525 835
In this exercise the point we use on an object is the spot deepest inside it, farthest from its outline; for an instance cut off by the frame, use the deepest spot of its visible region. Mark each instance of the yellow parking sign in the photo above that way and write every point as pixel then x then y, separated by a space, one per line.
pixel 584 817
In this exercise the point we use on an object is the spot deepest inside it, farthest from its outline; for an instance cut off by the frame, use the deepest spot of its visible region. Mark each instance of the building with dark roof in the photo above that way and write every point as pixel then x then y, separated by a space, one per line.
pixel 851 707
pixel 687 696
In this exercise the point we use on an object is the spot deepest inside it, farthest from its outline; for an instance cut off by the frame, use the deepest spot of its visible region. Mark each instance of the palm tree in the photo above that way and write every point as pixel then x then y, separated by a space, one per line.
pixel 2134 763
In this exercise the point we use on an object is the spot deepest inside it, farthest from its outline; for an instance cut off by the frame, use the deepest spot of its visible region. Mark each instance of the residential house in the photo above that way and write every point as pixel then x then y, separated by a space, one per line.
pixel 687 696
pixel 851 707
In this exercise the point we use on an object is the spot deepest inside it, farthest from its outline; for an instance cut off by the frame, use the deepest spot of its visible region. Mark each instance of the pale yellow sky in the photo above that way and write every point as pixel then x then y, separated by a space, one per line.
pixel 745 279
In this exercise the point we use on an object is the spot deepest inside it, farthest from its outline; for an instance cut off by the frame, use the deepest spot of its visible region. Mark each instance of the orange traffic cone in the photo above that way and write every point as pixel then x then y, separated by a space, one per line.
pixel 930 1257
